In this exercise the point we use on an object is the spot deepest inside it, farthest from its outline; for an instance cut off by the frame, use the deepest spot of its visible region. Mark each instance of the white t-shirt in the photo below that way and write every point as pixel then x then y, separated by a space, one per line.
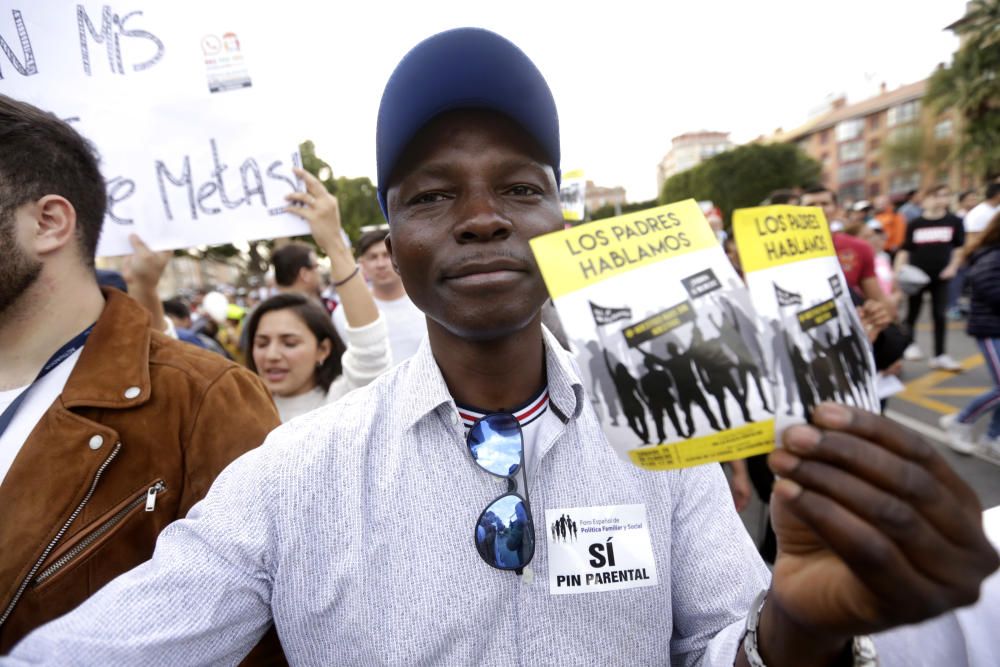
pixel 407 326
pixel 979 217
pixel 38 401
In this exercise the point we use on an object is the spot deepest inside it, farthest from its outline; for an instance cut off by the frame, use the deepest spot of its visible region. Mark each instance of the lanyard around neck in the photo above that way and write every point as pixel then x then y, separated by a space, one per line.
pixel 61 355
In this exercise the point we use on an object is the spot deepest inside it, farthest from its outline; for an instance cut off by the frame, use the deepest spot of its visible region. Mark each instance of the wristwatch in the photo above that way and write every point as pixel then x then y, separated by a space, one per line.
pixel 862 647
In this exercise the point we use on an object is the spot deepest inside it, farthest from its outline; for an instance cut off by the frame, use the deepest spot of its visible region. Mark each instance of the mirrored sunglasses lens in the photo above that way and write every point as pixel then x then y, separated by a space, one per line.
pixel 495 444
pixel 505 536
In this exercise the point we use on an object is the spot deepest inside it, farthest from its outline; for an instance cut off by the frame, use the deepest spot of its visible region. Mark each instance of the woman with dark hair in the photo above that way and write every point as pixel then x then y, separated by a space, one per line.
pixel 983 276
pixel 291 342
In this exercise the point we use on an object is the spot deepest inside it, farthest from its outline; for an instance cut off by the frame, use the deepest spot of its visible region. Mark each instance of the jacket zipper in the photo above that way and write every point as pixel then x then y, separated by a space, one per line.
pixel 62 531
pixel 148 497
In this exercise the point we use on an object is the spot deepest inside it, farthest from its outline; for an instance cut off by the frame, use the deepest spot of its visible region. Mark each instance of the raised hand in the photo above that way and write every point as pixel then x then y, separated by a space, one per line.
pixel 322 211
pixel 145 266
pixel 142 271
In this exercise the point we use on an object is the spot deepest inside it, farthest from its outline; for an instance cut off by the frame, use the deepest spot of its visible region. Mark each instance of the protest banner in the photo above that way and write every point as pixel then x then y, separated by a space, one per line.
pixel 665 335
pixel 573 195
pixel 173 102
pixel 798 288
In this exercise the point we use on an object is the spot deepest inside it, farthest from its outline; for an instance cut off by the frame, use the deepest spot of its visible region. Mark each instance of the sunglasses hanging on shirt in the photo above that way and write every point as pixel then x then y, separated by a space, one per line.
pixel 505 532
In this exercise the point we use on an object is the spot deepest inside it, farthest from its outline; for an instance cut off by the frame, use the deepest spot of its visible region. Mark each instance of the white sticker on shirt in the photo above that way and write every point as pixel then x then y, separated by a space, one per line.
pixel 596 549
pixel 933 235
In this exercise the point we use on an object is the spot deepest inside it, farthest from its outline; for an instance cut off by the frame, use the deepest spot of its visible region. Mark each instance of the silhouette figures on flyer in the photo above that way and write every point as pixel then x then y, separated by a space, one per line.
pixel 853 351
pixel 822 374
pixel 781 354
pixel 602 383
pixel 656 386
pixel 715 370
pixel 845 387
pixel 630 397
pixel 681 369
pixel 731 338
pixel 803 377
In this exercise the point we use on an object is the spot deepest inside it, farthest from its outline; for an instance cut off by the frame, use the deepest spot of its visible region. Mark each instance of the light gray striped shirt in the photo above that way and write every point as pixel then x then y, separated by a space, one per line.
pixel 351 529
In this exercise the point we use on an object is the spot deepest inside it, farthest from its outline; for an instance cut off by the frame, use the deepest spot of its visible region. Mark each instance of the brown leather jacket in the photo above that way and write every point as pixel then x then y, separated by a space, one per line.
pixel 142 428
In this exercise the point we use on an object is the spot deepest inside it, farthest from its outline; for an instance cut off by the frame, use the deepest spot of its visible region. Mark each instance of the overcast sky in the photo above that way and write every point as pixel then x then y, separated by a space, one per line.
pixel 627 76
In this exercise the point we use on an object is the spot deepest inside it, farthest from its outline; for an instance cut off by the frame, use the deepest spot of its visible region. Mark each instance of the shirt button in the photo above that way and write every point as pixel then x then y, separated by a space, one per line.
pixel 96 442
pixel 132 392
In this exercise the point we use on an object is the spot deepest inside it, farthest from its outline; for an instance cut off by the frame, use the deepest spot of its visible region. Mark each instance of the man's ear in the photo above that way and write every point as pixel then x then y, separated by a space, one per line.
pixel 55 224
pixel 388 249
pixel 300 276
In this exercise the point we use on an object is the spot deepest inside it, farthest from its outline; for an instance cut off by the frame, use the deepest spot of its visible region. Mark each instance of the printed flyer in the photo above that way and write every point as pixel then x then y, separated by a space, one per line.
pixel 812 327
pixel 665 336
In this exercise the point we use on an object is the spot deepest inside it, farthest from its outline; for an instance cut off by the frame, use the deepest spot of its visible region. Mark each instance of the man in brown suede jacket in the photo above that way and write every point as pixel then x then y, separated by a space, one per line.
pixel 109 430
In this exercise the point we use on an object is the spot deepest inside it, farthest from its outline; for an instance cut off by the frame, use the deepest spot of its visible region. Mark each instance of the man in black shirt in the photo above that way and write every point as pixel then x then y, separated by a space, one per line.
pixel 932 244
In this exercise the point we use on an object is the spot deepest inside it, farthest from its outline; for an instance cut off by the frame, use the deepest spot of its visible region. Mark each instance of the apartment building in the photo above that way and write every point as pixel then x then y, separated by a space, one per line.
pixel 887 144
pixel 689 149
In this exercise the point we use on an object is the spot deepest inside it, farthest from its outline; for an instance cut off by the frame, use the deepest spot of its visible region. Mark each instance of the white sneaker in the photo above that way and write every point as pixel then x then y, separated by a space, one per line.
pixel 959 435
pixel 943 362
pixel 913 353
pixel 990 447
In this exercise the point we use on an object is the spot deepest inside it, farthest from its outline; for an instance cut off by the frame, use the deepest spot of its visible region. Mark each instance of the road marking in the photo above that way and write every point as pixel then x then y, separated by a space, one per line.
pixel 958 391
pixel 952 326
pixel 917 391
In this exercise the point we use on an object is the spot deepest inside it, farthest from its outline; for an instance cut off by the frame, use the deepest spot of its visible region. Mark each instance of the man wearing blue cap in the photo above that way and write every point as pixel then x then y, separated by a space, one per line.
pixel 350 527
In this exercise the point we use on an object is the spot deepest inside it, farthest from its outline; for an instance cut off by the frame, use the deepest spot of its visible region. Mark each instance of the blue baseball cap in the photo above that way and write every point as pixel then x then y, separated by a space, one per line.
pixel 464 68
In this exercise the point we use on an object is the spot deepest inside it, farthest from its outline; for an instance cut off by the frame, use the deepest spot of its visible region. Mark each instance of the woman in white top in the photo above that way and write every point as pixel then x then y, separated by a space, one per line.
pixel 297 353
pixel 292 344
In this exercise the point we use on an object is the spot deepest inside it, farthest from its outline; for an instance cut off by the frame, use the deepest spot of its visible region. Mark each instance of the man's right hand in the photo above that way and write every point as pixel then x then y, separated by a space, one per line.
pixel 874 530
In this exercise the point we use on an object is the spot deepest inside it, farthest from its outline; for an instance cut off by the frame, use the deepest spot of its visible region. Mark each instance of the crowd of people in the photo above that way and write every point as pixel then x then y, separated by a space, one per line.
pixel 146 523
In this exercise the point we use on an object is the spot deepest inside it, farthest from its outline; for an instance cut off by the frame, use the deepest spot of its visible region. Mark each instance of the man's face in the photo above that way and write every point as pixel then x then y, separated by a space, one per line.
pixel 824 200
pixel 969 201
pixel 855 222
pixel 18 270
pixel 377 267
pixel 938 200
pixel 468 193
pixel 310 275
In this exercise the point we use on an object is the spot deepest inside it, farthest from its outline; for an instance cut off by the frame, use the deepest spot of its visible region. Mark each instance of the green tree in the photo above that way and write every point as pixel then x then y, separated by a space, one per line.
pixel 906 148
pixel 744 176
pixel 316 166
pixel 971 86
pixel 358 205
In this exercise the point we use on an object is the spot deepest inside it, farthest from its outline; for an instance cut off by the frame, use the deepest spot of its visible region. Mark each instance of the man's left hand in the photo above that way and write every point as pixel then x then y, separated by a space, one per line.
pixel 875 316
pixel 874 530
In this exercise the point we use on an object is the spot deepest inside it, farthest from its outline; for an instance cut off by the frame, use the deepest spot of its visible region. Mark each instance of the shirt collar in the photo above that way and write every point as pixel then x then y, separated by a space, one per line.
pixel 525 413
pixel 425 389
